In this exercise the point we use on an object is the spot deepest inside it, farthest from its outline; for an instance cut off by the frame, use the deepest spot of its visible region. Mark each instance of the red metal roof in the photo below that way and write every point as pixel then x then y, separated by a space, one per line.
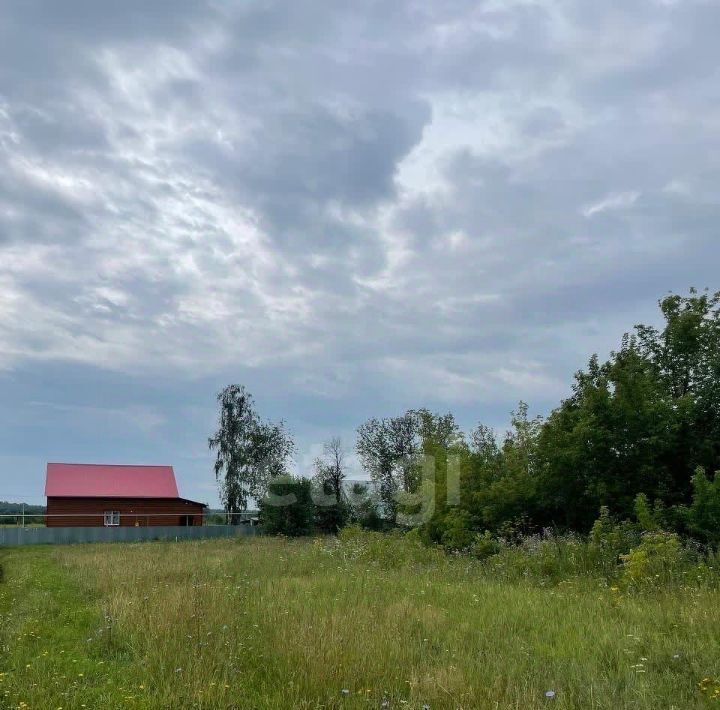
pixel 82 480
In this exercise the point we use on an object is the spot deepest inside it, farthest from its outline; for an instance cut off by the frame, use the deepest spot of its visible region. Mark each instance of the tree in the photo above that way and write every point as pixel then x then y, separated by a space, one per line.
pixel 702 517
pixel 498 484
pixel 483 441
pixel 512 496
pixel 287 508
pixel 639 423
pixel 363 505
pixel 387 448
pixel 330 469
pixel 436 487
pixel 686 353
pixel 330 500
pixel 685 357
pixel 249 451
pixel 606 443
pixel 407 458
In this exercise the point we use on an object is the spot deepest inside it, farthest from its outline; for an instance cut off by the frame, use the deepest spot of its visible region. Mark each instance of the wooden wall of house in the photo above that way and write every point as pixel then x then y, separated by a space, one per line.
pixel 89 512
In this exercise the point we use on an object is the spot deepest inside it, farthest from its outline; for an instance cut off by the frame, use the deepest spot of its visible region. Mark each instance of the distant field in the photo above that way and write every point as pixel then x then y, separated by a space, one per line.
pixel 267 623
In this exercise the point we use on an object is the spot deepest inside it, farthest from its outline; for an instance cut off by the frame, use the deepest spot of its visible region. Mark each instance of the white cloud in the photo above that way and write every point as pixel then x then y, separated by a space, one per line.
pixel 613 201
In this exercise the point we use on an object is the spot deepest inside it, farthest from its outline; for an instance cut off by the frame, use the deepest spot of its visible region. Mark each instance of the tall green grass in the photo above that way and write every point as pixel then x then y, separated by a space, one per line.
pixel 363 621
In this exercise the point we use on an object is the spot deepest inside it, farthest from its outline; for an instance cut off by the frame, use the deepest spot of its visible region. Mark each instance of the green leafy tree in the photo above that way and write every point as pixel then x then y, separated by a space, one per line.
pixel 703 515
pixel 407 459
pixel 437 433
pixel 439 443
pixel 364 506
pixel 288 508
pixel 685 356
pixel 387 449
pixel 509 474
pixel 249 451
pixel 604 444
pixel 640 422
pixel 649 519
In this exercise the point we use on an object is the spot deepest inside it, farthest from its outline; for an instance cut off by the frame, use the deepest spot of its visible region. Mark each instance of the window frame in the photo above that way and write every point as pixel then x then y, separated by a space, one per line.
pixel 111 518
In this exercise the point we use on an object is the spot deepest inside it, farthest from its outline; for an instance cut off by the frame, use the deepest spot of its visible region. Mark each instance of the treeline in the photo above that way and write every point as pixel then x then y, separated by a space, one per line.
pixel 12 508
pixel 638 436
pixel 33 513
pixel 640 430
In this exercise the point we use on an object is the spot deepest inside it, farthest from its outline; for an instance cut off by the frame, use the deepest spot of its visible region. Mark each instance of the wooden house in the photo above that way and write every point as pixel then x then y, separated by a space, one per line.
pixel 96 495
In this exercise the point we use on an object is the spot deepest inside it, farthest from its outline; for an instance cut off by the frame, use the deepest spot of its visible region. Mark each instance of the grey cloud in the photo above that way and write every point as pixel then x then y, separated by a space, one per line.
pixel 381 202
pixel 98 22
pixel 57 129
pixel 543 122
pixel 307 157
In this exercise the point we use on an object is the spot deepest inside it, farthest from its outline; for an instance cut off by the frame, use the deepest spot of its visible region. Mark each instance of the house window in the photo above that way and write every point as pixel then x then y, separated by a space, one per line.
pixel 112 518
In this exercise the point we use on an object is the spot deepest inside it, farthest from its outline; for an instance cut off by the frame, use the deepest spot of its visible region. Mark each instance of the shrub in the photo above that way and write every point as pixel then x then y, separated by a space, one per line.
pixel 651 560
pixel 388 550
pixel 457 534
pixel 329 518
pixel 484 545
pixel 656 560
pixel 703 515
pixel 542 558
pixel 363 508
pixel 414 536
pixel 648 519
pixel 288 509
pixel 608 541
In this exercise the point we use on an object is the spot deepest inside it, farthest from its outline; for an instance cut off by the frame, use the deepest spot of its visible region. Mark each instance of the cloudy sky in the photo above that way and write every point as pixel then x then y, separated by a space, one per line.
pixel 350 207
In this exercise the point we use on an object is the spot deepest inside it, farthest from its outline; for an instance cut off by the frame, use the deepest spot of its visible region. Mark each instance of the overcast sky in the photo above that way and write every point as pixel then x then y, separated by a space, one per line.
pixel 350 207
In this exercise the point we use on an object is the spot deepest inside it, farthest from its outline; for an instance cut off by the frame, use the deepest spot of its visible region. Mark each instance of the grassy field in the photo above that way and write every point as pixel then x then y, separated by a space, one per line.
pixel 268 623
